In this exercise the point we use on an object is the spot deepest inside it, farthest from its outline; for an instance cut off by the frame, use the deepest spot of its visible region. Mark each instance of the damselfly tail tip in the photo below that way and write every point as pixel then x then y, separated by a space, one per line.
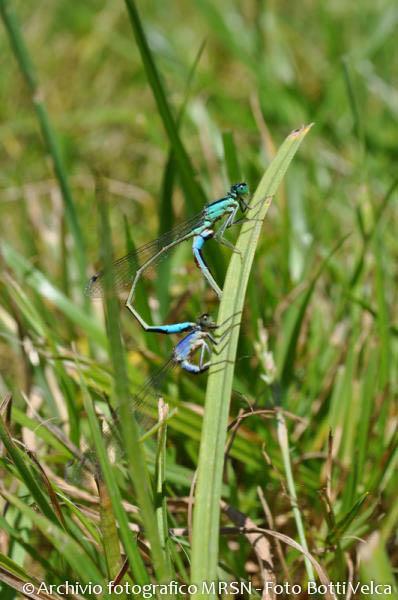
pixel 89 287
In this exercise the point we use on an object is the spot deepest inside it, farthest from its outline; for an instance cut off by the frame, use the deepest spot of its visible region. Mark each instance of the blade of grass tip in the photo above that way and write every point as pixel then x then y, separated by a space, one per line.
pixel 135 457
pixel 20 461
pixel 131 548
pixel 27 69
pixel 219 387
pixel 231 157
pixel 195 197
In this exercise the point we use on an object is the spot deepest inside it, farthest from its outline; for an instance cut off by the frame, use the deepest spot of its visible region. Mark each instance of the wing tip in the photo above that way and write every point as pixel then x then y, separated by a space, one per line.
pixel 91 287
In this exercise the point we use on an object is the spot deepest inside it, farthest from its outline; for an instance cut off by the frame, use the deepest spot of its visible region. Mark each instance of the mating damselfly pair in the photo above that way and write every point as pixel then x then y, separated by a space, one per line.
pixel 127 271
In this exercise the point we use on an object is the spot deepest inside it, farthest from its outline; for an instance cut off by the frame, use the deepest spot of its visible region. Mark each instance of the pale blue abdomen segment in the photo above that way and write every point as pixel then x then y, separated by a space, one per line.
pixel 197 245
pixel 191 368
pixel 173 328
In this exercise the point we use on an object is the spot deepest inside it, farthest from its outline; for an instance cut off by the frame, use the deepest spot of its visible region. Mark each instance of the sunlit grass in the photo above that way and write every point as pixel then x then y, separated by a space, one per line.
pixel 330 326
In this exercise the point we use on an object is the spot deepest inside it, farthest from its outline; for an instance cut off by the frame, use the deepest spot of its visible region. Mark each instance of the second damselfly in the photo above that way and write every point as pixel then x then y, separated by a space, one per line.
pixel 127 271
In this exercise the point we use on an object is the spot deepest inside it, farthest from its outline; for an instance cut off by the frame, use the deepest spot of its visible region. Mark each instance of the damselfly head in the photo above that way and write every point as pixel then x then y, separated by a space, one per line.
pixel 239 189
pixel 206 322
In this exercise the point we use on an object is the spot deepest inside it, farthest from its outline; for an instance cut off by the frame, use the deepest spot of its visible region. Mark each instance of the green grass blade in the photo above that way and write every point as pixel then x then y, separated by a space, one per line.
pixel 66 545
pixel 219 387
pixel 160 479
pixel 141 299
pixel 231 157
pixel 383 318
pixel 343 524
pixel 284 446
pixel 134 453
pixel 35 279
pixel 9 564
pixel 109 533
pixel 165 212
pixel 192 189
pixel 22 419
pixel 367 397
pixel 27 69
pixel 379 214
pixel 20 461
pixel 353 101
pixel 11 573
pixel 376 569
pixel 136 564
pixel 288 352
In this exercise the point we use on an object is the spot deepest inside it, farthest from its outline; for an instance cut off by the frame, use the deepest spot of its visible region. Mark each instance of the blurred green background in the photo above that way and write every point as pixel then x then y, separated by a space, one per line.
pixel 261 70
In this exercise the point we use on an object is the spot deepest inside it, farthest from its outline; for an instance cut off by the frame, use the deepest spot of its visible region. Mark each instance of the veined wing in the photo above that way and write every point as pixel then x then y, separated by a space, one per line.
pixel 126 267
pixel 112 436
pixel 151 387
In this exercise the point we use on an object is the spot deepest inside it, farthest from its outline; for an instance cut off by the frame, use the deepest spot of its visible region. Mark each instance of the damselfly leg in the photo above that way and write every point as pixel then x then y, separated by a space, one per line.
pixel 129 270
pixel 200 341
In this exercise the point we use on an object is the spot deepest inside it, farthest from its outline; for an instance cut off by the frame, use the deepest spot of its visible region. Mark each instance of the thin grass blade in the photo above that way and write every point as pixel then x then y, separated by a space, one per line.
pixel 136 461
pixel 136 563
pixel 219 387
pixel 39 282
pixel 26 474
pixel 193 192
pixel 26 66
pixel 64 543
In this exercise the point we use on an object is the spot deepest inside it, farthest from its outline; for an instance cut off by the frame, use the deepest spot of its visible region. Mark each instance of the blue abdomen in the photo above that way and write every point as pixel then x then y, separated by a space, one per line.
pixel 183 348
pixel 180 327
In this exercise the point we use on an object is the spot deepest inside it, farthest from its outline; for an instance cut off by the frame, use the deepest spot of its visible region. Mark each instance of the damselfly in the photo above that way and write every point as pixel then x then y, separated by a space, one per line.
pixel 127 271
pixel 199 339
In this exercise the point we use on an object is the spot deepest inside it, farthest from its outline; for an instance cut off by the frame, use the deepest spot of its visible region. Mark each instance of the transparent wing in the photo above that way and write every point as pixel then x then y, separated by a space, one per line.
pixel 125 268
pixel 145 396
pixel 150 388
